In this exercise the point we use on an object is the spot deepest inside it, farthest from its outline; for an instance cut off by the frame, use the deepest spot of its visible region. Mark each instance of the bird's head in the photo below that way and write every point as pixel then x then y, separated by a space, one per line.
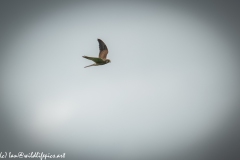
pixel 107 61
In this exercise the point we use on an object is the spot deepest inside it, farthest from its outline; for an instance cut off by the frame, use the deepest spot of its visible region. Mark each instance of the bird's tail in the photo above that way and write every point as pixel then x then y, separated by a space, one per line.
pixel 85 57
pixel 90 58
pixel 90 65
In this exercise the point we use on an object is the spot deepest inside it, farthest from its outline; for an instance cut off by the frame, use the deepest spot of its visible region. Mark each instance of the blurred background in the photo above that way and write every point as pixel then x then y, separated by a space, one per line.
pixel 171 91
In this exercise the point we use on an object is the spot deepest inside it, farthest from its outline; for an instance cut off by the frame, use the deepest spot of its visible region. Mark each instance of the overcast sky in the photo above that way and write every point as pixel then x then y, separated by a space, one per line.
pixel 172 83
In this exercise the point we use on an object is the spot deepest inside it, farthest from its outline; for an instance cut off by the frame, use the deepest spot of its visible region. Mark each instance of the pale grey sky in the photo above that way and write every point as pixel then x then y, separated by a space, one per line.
pixel 170 86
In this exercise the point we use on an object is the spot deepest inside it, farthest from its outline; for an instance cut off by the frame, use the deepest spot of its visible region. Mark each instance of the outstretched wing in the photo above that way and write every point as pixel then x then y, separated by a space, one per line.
pixel 94 59
pixel 103 49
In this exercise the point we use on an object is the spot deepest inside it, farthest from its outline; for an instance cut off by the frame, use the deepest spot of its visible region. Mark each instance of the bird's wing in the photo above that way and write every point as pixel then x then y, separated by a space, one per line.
pixel 103 49
pixel 94 59
pixel 91 65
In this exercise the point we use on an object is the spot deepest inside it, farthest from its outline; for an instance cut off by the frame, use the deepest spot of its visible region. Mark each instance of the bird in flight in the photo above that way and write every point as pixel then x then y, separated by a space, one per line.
pixel 102 58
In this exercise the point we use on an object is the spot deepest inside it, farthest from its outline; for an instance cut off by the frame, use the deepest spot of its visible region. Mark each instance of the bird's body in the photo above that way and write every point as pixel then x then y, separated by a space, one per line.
pixel 102 59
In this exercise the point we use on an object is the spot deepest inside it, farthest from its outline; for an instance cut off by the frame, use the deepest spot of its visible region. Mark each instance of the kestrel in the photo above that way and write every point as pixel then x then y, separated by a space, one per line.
pixel 102 58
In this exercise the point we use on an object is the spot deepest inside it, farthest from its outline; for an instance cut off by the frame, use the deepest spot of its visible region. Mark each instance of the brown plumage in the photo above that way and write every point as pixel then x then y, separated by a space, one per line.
pixel 102 55
pixel 103 50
